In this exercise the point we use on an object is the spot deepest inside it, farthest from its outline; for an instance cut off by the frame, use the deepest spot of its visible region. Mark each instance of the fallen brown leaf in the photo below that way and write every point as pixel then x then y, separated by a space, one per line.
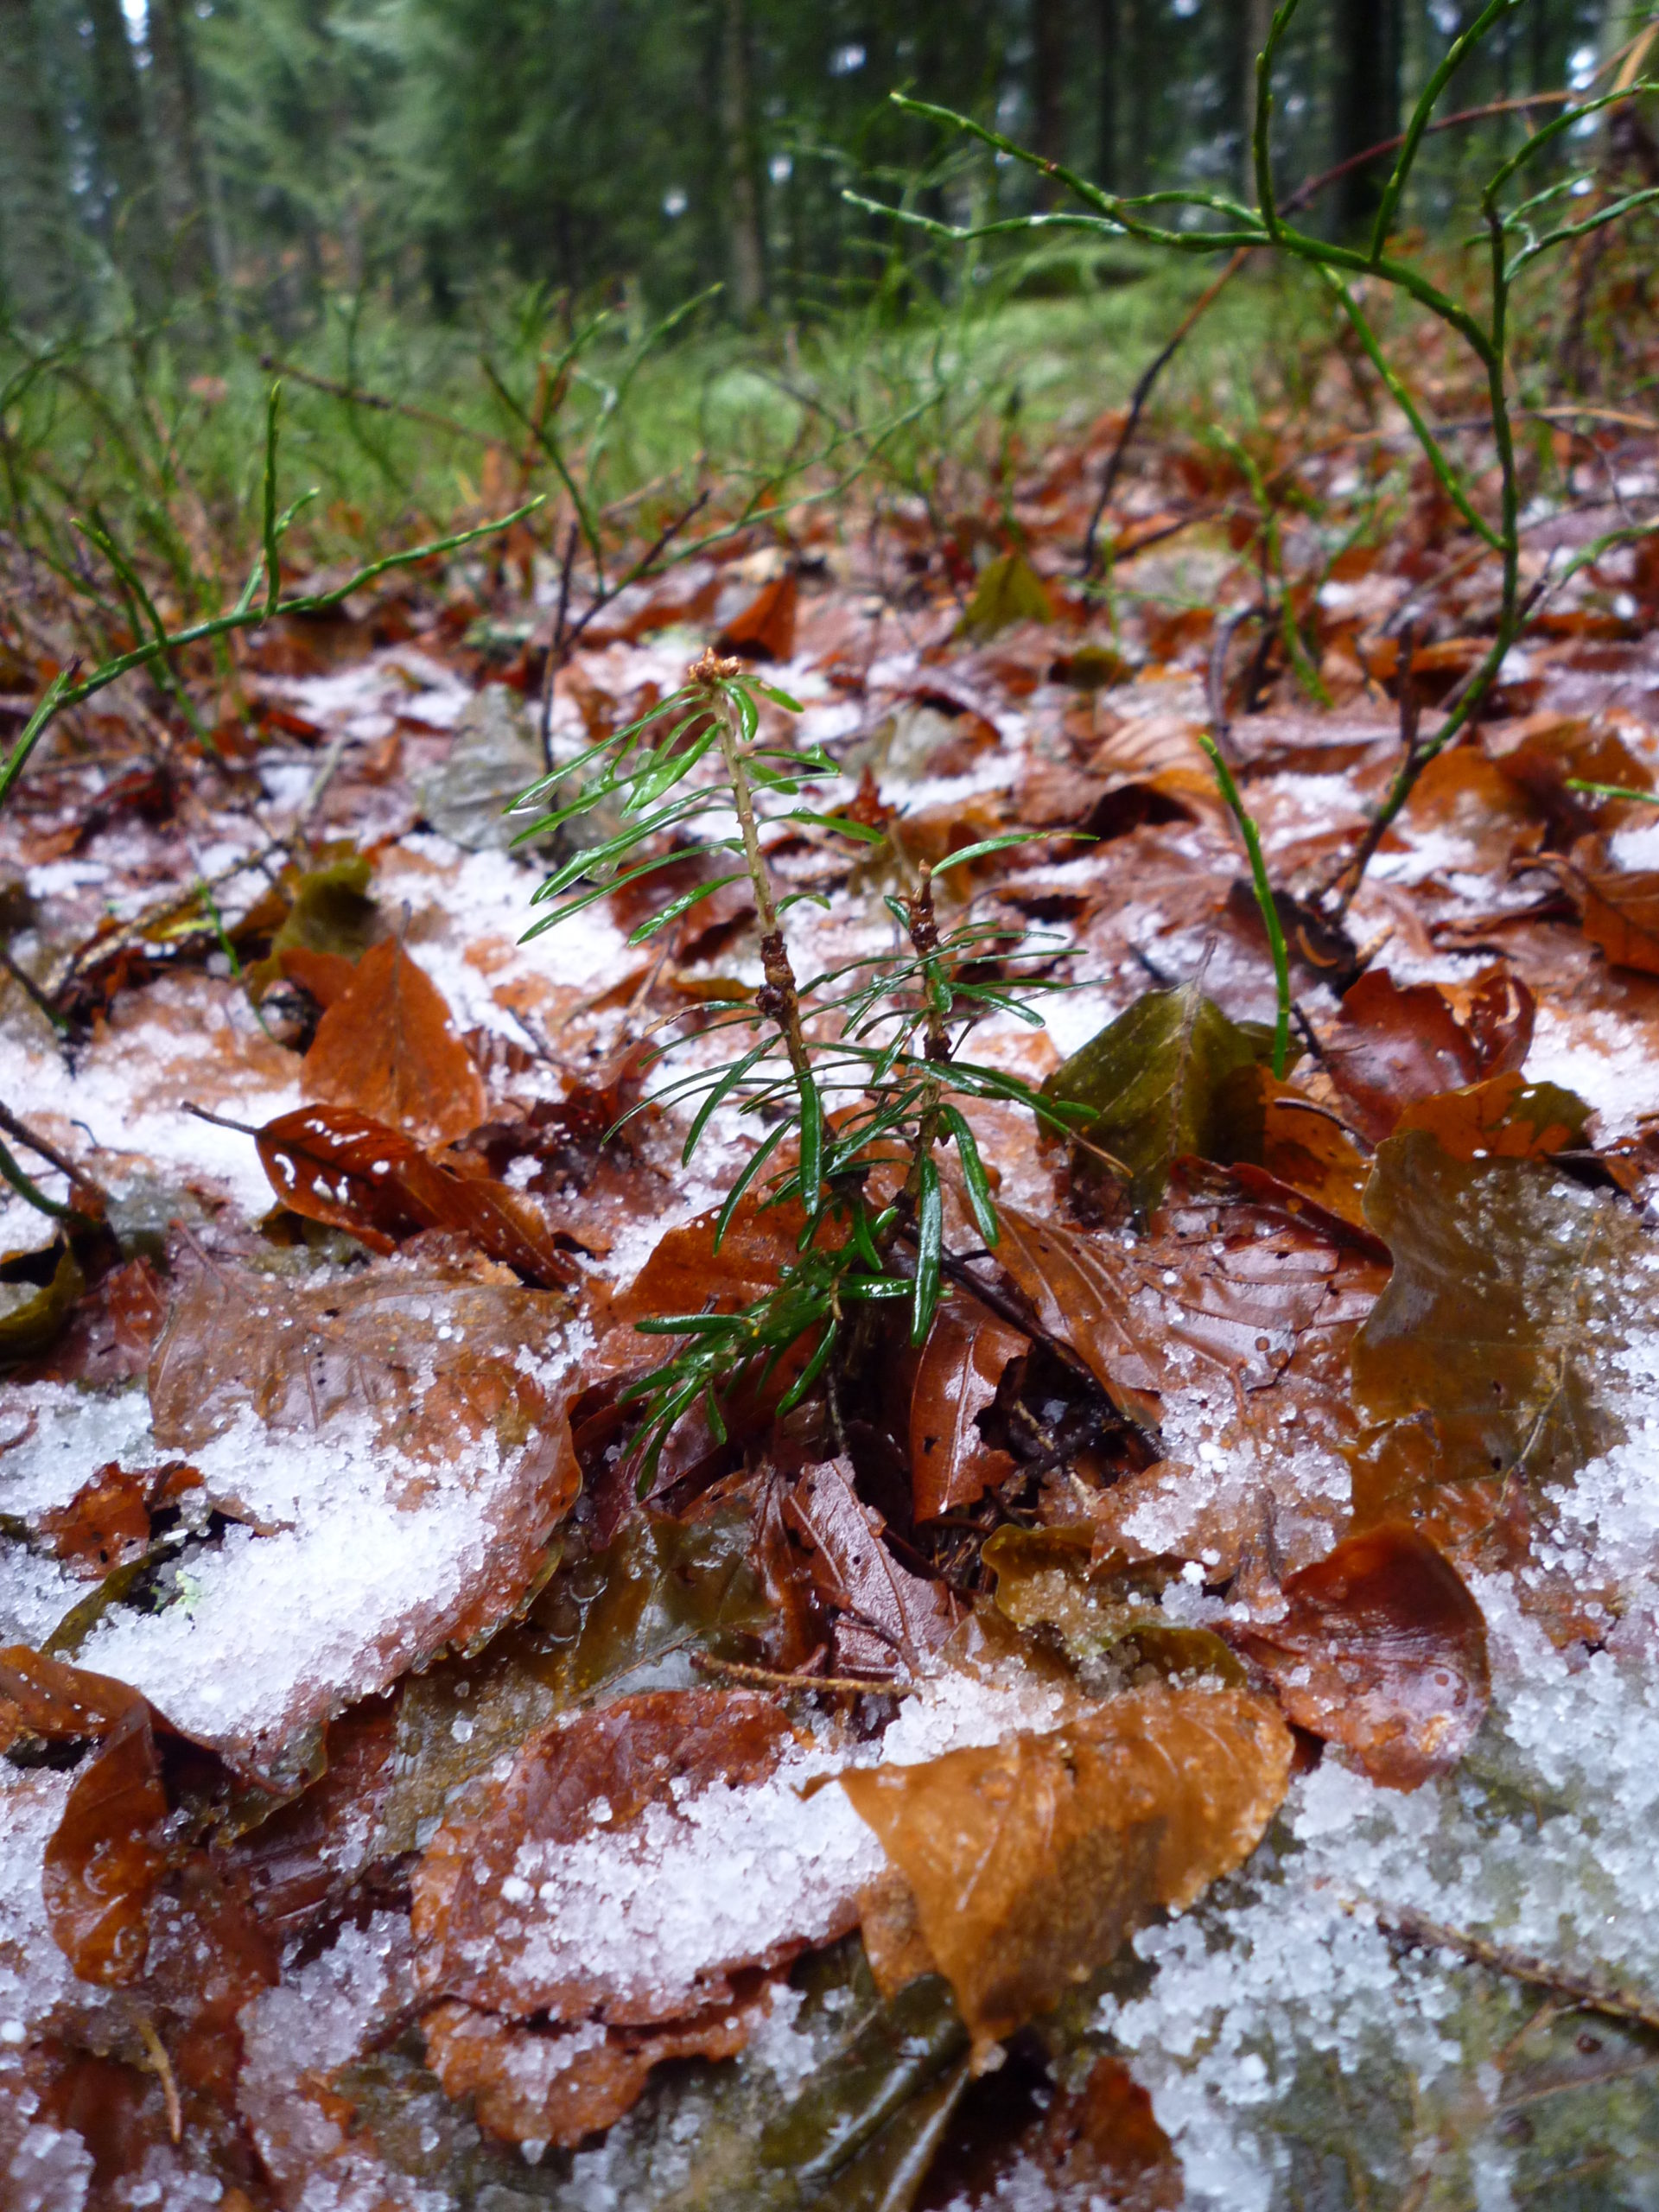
pixel 335 1165
pixel 1032 1861
pixel 1380 1650
pixel 895 1619
pixel 387 1046
pixel 962 1363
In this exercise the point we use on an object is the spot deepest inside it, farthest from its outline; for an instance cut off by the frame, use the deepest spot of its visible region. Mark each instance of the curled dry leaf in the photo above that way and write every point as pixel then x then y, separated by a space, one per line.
pixel 1032 1861
pixel 336 1165
pixel 1394 1047
pixel 388 1047
pixel 895 1619
pixel 1382 1649
pixel 962 1363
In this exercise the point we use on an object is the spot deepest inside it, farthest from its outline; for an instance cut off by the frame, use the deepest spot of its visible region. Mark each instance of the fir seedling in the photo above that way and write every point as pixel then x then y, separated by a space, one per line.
pixel 857 1068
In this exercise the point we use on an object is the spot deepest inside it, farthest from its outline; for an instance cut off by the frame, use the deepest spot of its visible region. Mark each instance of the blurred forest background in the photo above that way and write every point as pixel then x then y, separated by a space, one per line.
pixel 230 166
pixel 606 249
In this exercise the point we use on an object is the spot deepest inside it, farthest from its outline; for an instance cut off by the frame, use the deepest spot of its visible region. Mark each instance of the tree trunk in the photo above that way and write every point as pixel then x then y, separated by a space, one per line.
pixel 1108 30
pixel 188 202
pixel 1255 21
pixel 1367 103
pixel 748 263
pixel 1048 67
pixel 1142 90
pixel 127 174
pixel 37 271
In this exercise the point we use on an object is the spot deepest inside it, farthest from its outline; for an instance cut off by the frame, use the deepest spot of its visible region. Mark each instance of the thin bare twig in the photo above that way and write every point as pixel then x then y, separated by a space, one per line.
pixel 25 1136
pixel 1585 1992
pixel 764 1678
pixel 378 401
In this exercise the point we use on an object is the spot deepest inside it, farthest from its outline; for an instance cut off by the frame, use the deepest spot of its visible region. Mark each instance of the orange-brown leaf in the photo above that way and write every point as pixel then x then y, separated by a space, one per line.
pixel 388 1047
pixel 59 1701
pixel 1383 1650
pixel 334 1164
pixel 1506 1117
pixel 326 975
pixel 1033 1861
pixel 497 1951
pixel 897 1617
pixel 961 1365
pixel 1621 915
pixel 548 2085
pixel 1394 1046
pixel 108 1853
pixel 764 629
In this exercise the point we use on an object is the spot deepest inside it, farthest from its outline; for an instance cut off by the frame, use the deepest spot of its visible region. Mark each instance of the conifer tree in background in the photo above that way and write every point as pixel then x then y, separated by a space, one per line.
pixel 198 250
pixel 125 205
pixel 1366 104
pixel 39 279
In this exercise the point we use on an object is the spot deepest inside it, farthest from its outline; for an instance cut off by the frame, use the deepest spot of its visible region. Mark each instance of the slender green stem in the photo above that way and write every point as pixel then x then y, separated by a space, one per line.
pixel 63 691
pixel 12 1174
pixel 1264 899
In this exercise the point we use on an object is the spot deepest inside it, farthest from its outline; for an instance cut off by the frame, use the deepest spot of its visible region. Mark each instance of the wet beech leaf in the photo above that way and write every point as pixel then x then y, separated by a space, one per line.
pixel 60 1702
pixel 335 1165
pixel 325 975
pixel 764 629
pixel 1506 1117
pixel 416 1401
pixel 1157 1082
pixel 1105 2140
pixel 1512 1288
pixel 1621 915
pixel 109 1336
pixel 487 1898
pixel 548 2085
pixel 388 1047
pixel 895 1619
pixel 1032 1861
pixel 1009 590
pixel 108 1853
pixel 961 1365
pixel 1395 1045
pixel 107 1522
pixel 1382 1649
pixel 1265 1304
